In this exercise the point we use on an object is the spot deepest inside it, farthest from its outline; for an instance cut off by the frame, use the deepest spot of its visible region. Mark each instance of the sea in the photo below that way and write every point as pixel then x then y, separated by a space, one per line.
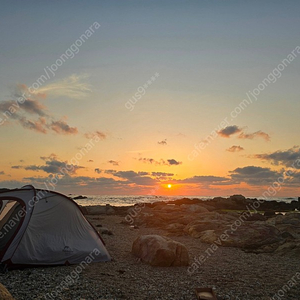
pixel 131 200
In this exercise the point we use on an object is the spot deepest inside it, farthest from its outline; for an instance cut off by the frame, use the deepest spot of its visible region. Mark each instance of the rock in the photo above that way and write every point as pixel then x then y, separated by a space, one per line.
pixel 294 231
pixel 291 248
pixel 4 293
pixel 185 201
pixel 269 213
pixel 253 236
pixel 79 197
pixel 196 228
pixel 292 215
pixel 160 251
pixel 167 208
pixel 195 208
pixel 208 236
pixel 104 230
pixel 100 210
pixel 237 197
pixel 175 228
pixel 256 217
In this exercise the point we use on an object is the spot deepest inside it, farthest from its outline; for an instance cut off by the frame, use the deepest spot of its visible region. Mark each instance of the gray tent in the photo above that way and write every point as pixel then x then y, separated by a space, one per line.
pixel 39 227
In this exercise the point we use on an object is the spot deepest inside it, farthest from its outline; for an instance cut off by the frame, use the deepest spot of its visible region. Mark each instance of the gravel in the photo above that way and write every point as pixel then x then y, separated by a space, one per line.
pixel 233 273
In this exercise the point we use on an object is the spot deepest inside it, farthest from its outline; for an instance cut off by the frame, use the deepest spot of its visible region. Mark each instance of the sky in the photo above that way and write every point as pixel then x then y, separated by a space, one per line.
pixel 151 97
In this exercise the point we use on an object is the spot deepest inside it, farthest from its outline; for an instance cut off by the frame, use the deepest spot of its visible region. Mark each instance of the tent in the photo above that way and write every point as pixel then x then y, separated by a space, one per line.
pixel 41 227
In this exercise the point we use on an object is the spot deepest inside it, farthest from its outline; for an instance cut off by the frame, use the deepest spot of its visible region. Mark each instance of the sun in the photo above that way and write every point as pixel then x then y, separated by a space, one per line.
pixel 169 186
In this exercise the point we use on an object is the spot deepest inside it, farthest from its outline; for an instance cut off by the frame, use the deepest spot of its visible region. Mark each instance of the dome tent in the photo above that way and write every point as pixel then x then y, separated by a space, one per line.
pixel 41 227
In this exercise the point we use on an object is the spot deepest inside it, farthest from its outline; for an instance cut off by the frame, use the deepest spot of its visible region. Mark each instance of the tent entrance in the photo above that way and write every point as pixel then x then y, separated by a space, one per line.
pixel 12 213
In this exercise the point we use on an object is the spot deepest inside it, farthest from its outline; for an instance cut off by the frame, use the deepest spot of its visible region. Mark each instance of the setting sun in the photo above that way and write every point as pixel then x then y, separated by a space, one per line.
pixel 169 186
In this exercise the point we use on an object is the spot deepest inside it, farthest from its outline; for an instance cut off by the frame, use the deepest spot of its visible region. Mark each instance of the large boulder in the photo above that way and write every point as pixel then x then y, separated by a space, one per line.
pixel 250 237
pixel 254 236
pixel 4 293
pixel 160 251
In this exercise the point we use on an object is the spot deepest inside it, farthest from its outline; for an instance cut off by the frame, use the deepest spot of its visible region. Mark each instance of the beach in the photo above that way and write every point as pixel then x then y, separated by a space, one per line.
pixel 230 271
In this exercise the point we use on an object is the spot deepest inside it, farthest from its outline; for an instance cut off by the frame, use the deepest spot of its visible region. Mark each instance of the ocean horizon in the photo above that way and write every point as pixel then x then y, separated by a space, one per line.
pixel 127 200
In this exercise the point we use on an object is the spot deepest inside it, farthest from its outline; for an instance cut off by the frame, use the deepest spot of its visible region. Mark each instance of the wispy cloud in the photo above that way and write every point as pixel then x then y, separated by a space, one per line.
pixel 113 162
pixel 73 87
pixel 253 135
pixel 210 179
pixel 235 149
pixel 101 135
pixel 163 142
pixel 162 162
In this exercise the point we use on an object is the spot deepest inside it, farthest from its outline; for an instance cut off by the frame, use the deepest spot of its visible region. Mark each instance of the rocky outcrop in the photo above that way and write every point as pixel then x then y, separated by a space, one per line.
pixel 160 251
pixel 252 232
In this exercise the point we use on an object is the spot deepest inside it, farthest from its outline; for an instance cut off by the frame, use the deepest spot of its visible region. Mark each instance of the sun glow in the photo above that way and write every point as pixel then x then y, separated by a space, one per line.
pixel 169 186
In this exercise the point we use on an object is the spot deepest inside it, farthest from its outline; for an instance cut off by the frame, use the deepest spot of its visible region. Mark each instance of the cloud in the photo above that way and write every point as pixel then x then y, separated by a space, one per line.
pixel 163 142
pixel 73 87
pixel 149 160
pixel 2 173
pixel 90 160
pixel 11 184
pixel 61 127
pixel 253 135
pixel 168 162
pixel 10 107
pixel 38 125
pixel 101 135
pixel 161 174
pixel 110 171
pixel 138 178
pixel 287 158
pixel 31 114
pixel 173 162
pixel 235 149
pixel 113 162
pixel 205 179
pixel 52 166
pixel 229 130
pixel 254 175
pixel 98 171
pixel 34 107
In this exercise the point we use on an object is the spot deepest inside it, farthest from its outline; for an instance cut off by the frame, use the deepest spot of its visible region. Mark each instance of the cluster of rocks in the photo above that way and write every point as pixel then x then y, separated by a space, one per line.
pixel 248 230
pixel 238 202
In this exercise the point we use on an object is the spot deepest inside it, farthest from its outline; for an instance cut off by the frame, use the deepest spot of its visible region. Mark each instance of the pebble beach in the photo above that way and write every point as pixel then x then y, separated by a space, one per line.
pixel 232 273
